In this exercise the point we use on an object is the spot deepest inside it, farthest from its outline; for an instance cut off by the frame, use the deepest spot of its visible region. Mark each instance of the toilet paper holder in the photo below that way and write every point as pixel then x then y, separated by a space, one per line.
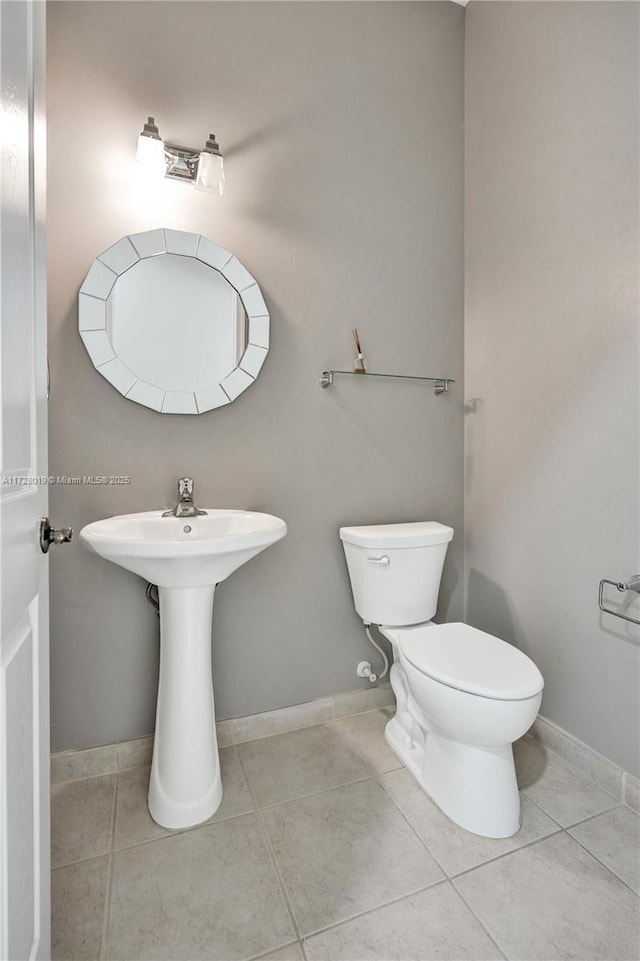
pixel 633 584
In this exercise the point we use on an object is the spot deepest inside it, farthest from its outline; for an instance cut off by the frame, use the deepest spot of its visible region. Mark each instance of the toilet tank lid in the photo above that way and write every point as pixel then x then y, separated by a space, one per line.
pixel 381 536
pixel 468 659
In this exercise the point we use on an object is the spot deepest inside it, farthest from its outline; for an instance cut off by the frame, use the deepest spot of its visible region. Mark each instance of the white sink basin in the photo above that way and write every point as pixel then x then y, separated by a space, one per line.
pixel 185 557
pixel 183 551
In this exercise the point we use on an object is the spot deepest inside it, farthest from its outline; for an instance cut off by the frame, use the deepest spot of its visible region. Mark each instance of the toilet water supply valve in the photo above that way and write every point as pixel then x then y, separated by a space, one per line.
pixel 364 667
pixel 364 670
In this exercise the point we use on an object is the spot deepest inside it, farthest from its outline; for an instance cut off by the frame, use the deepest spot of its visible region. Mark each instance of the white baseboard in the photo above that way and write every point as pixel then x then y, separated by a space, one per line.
pixel 109 758
pixel 604 772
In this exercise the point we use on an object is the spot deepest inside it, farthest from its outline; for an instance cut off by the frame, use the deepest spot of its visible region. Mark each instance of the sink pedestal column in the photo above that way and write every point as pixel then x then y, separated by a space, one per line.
pixel 185 786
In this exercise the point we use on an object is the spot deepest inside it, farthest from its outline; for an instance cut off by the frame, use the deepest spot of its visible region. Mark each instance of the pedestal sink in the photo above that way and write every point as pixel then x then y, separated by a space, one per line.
pixel 185 557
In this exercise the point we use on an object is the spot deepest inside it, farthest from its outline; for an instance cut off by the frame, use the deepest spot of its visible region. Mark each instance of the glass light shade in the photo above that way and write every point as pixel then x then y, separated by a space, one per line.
pixel 210 173
pixel 150 158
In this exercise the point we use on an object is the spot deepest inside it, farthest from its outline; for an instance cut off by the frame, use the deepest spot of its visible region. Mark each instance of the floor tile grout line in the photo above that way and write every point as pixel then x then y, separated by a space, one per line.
pixel 573 767
pixel 352 744
pixel 304 797
pixel 537 806
pixel 561 831
pixel 210 823
pixel 107 893
pixel 177 832
pixel 92 857
pixel 375 908
pixel 107 909
pixel 207 824
pixel 173 832
pixel 266 954
pixel 406 819
pixel 450 877
pixel 592 817
pixel 540 804
pixel 333 726
pixel 506 854
pixel 481 923
pixel 256 809
pixel 114 825
pixel 271 853
pixel 281 883
pixel 374 778
pixel 605 866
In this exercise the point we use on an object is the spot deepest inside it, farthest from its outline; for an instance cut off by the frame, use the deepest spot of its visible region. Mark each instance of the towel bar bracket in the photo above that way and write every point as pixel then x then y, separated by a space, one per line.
pixel 633 584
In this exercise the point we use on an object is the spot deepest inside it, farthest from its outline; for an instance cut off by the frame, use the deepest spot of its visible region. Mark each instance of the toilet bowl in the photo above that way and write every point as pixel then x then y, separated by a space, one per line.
pixel 463 696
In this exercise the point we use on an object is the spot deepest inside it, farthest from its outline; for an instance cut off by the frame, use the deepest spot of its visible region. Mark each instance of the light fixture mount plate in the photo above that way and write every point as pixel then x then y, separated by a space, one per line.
pixel 181 162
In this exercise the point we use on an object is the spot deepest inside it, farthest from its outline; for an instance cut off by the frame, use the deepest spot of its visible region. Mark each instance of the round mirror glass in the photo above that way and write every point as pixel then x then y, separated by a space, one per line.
pixel 174 321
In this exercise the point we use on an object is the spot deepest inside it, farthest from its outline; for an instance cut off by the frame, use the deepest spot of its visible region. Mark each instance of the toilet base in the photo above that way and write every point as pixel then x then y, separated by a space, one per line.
pixel 475 787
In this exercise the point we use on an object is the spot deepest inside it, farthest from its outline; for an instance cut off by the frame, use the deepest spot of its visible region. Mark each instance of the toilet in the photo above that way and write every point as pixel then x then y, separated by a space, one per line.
pixel 463 696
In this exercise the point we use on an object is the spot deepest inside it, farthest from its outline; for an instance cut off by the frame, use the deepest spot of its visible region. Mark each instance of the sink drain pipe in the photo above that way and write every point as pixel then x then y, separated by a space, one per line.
pixel 152 597
pixel 364 667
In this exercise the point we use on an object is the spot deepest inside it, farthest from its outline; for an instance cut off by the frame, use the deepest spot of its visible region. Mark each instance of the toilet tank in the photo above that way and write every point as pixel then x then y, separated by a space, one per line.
pixel 395 570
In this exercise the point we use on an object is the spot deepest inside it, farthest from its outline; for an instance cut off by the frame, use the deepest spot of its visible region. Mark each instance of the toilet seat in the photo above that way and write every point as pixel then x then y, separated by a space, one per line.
pixel 469 660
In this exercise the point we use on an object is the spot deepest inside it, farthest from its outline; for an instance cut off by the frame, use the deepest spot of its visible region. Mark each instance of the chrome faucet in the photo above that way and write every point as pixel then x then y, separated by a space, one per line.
pixel 185 506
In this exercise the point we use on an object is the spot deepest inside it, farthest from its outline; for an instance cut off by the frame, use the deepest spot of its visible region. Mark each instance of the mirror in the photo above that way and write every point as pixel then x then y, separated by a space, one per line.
pixel 173 321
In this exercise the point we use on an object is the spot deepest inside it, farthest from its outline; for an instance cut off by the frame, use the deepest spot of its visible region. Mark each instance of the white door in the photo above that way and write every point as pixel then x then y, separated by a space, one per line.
pixel 24 638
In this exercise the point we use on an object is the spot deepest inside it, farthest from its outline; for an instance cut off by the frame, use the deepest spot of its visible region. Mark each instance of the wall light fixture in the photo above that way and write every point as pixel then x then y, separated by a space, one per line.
pixel 157 159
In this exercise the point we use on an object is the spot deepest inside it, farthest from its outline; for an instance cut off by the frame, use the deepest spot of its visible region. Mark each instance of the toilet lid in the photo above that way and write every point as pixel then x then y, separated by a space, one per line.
pixel 404 536
pixel 470 660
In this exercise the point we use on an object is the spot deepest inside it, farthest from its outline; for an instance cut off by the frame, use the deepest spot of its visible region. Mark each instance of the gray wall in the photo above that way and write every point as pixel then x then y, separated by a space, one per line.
pixel 342 128
pixel 552 348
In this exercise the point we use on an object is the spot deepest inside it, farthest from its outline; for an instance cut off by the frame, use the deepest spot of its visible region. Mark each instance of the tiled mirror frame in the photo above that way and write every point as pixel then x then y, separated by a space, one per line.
pixel 94 319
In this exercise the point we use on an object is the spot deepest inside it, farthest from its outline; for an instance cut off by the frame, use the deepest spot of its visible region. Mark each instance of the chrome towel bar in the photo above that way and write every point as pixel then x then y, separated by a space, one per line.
pixel 633 584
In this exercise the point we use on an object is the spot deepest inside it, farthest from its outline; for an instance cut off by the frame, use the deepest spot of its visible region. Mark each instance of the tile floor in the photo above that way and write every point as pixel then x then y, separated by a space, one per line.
pixel 324 848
